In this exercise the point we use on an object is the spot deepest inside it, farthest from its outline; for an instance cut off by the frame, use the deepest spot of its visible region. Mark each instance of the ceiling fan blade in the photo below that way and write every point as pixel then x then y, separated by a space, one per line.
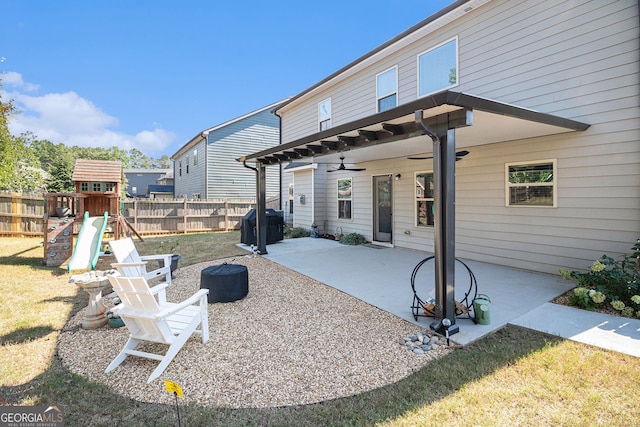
pixel 355 169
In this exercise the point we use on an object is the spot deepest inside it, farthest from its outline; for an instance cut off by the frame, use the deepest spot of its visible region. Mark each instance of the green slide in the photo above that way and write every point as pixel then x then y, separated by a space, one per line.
pixel 88 243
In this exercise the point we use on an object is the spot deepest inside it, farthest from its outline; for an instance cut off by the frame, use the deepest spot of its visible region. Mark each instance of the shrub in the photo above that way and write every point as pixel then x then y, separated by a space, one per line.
pixel 608 279
pixel 353 239
pixel 295 232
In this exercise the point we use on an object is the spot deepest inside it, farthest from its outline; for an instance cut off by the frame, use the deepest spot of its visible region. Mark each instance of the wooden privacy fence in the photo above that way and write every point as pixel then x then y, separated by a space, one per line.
pixel 22 215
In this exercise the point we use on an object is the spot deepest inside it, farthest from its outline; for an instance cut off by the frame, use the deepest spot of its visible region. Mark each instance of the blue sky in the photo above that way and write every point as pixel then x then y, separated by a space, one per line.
pixel 151 74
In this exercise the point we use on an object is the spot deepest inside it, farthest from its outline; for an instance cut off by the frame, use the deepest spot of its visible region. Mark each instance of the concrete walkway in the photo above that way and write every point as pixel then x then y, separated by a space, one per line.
pixel 382 277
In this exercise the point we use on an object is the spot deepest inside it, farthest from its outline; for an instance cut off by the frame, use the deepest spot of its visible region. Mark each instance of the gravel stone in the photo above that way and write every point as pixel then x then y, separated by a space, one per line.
pixel 281 345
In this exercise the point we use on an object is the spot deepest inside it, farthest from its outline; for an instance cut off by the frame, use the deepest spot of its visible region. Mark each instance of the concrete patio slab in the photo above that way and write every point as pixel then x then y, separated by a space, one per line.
pixel 382 277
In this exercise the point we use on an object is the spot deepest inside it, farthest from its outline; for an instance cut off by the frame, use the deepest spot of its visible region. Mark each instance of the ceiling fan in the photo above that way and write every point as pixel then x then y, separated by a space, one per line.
pixel 459 156
pixel 342 167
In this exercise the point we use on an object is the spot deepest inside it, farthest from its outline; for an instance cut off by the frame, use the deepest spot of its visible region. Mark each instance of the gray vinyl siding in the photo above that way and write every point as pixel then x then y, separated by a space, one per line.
pixel 218 174
pixel 577 60
pixel 192 179
pixel 229 178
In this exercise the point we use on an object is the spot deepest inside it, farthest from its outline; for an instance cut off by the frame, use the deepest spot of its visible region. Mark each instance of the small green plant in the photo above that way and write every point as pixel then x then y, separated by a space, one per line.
pixel 296 232
pixel 353 239
pixel 608 279
pixel 172 245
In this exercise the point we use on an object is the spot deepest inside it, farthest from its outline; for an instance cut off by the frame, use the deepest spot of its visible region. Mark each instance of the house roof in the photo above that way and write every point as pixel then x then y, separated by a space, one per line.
pixel 203 134
pixel 97 170
pixel 477 121
pixel 148 170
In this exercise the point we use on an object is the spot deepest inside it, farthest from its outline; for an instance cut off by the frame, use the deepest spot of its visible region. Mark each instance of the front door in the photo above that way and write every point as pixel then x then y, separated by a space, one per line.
pixel 382 209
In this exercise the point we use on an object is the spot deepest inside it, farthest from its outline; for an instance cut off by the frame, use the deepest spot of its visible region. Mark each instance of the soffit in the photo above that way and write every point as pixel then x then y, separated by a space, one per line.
pixel 478 121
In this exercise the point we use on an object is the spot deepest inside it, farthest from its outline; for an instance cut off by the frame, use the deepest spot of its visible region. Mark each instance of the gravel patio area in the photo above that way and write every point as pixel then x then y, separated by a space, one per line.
pixel 291 341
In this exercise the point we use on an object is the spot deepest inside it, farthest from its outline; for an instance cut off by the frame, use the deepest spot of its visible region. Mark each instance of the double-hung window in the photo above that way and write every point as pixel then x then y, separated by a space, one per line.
pixel 324 114
pixel 531 183
pixel 345 198
pixel 424 199
pixel 438 68
pixel 195 157
pixel 387 89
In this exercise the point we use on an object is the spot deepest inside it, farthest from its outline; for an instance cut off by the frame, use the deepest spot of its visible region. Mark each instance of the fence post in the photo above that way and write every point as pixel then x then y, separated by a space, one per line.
pixel 16 213
pixel 135 213
pixel 226 215
pixel 184 219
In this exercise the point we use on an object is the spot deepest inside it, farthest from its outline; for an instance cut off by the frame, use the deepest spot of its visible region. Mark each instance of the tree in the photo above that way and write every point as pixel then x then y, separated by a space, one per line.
pixel 19 168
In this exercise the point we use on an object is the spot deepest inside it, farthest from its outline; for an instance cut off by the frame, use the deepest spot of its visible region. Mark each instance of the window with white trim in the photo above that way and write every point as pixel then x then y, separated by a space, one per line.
pixel 438 68
pixel 387 89
pixel 424 210
pixel 345 198
pixel 195 157
pixel 324 114
pixel 531 183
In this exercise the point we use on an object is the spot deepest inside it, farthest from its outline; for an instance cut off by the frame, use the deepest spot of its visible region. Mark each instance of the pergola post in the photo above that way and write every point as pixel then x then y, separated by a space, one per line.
pixel 444 163
pixel 261 208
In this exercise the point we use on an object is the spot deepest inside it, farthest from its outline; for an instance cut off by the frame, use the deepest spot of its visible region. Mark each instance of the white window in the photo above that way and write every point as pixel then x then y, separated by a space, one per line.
pixel 438 68
pixel 195 157
pixel 424 199
pixel 324 114
pixel 531 183
pixel 345 198
pixel 387 89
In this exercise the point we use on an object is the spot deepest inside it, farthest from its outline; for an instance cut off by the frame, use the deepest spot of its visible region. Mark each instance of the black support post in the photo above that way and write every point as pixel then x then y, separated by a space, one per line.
pixel 261 209
pixel 444 163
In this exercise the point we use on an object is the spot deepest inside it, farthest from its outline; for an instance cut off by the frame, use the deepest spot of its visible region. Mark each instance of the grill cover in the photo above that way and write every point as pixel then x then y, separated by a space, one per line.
pixel 275 227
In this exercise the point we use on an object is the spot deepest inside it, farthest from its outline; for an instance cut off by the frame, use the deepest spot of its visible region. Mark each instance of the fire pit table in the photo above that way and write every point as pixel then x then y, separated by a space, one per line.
pixel 226 282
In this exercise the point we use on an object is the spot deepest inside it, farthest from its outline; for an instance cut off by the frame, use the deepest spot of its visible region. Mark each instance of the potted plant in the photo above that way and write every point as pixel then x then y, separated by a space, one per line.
pixel 173 246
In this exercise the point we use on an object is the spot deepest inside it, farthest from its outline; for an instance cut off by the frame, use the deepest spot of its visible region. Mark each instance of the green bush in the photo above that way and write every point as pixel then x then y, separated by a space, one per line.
pixel 295 232
pixel 617 282
pixel 353 239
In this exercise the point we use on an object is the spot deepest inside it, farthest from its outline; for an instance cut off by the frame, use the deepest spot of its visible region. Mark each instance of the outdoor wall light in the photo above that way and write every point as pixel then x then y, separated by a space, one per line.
pixel 398 176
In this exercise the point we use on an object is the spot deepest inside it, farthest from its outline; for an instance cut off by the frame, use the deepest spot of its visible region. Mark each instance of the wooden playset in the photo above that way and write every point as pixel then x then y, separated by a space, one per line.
pixel 94 207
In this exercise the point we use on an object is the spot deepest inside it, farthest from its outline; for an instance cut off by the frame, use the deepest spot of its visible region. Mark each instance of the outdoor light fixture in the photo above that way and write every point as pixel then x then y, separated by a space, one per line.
pixel 446 323
pixel 398 176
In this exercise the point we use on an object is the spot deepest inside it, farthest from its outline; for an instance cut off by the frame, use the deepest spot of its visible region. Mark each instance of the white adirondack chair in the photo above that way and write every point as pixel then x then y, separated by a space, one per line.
pixel 149 320
pixel 130 264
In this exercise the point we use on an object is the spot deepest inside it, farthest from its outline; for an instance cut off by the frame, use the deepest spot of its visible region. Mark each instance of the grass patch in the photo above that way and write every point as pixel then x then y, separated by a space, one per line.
pixel 513 377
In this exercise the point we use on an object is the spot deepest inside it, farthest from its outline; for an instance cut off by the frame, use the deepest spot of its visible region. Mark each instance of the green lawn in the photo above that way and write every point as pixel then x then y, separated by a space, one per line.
pixel 513 377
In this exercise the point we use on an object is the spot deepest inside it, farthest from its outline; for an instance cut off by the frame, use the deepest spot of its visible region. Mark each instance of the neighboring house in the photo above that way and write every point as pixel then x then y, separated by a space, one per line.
pixel 205 167
pixel 166 179
pixel 139 180
pixel 544 96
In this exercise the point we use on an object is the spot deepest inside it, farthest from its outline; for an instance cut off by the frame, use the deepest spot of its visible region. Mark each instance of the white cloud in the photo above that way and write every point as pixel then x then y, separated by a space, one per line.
pixel 72 120
pixel 14 79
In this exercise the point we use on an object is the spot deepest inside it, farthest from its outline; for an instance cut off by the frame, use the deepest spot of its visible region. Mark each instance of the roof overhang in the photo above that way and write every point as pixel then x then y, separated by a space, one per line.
pixel 477 121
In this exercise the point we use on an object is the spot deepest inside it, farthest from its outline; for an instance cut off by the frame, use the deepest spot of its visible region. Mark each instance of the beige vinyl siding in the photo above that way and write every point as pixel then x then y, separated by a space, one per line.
pixel 577 60
pixel 303 185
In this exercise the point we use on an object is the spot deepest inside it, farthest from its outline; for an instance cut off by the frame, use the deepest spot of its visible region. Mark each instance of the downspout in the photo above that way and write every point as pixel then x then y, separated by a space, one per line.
pixel 279 164
pixel 444 159
pixel 205 136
